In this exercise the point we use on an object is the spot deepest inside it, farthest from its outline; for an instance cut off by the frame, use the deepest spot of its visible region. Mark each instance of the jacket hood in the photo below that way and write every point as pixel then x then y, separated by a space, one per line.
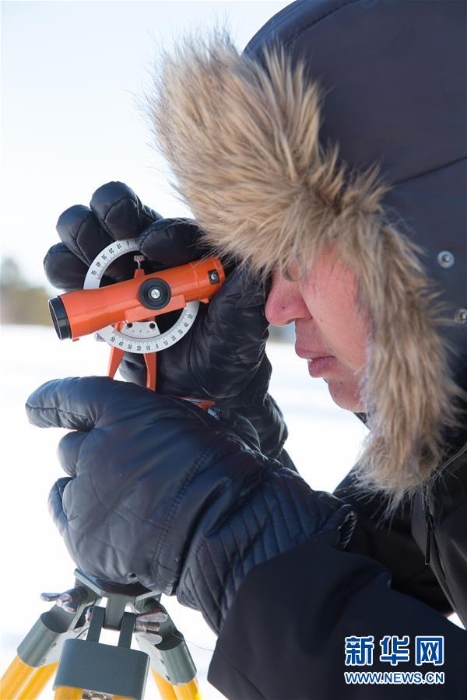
pixel 294 146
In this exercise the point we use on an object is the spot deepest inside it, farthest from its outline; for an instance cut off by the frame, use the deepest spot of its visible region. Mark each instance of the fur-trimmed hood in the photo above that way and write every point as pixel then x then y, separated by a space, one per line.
pixel 243 135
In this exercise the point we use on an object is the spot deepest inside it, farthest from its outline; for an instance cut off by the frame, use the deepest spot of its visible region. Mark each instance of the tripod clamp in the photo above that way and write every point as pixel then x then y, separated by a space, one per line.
pixel 70 633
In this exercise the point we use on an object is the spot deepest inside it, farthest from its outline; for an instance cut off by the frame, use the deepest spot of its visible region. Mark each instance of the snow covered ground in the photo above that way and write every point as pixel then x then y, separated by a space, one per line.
pixel 323 442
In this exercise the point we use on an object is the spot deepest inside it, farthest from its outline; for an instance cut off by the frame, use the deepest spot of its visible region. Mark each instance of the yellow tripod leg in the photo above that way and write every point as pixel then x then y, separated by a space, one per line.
pixel 37 682
pixel 188 691
pixel 165 688
pixel 15 677
pixel 64 693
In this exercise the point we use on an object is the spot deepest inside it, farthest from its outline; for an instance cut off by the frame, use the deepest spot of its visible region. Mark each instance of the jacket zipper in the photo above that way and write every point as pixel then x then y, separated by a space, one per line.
pixel 431 546
pixel 429 520
pixel 430 526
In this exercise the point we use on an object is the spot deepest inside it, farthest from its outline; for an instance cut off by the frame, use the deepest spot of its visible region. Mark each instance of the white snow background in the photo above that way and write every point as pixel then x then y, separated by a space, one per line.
pixel 324 441
pixel 77 68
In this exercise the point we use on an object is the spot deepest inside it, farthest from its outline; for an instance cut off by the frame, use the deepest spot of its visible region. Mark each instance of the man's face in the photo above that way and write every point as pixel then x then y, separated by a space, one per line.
pixel 331 333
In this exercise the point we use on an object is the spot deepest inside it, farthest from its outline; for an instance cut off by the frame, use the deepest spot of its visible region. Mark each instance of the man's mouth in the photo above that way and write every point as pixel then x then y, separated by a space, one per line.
pixel 319 363
pixel 320 366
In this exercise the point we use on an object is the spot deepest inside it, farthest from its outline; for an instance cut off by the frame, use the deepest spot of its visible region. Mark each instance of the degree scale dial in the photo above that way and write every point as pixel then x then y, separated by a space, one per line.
pixel 142 336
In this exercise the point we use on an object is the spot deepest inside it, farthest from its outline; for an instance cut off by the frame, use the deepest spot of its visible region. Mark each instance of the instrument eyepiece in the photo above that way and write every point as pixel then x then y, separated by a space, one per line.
pixel 60 318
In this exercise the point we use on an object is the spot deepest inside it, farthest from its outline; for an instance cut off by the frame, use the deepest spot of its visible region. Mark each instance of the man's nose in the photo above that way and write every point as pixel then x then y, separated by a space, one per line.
pixel 285 302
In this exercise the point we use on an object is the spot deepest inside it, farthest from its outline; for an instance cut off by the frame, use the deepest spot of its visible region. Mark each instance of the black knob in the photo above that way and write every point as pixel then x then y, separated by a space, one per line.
pixel 154 293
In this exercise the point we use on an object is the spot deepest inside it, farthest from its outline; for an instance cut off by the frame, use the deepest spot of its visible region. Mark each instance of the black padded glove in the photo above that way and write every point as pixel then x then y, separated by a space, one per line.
pixel 223 356
pixel 161 492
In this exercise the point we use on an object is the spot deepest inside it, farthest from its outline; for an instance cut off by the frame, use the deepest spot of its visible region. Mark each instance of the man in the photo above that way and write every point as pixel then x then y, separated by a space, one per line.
pixel 276 153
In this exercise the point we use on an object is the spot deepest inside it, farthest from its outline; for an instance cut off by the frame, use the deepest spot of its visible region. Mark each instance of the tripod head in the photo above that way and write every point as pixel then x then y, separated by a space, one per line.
pixel 68 636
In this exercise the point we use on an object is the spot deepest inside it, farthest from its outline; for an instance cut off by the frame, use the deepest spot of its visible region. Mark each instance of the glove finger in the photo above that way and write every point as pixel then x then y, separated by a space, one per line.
pixel 76 403
pixel 232 333
pixel 68 451
pixel 115 213
pixel 119 212
pixel 172 242
pixel 83 403
pixel 80 231
pixel 63 269
pixel 55 503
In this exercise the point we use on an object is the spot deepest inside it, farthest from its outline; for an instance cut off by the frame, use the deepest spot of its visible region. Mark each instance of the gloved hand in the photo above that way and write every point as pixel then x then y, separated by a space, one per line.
pixel 223 356
pixel 161 492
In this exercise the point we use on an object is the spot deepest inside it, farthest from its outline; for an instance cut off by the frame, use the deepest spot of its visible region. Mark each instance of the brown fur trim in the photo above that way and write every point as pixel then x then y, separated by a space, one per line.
pixel 242 141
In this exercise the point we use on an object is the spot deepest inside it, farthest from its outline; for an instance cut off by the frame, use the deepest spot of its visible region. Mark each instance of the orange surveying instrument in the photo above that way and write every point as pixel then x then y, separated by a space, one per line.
pixel 124 314
pixel 65 641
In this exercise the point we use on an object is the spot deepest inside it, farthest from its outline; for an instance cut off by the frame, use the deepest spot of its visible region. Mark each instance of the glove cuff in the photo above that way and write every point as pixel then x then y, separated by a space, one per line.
pixel 282 514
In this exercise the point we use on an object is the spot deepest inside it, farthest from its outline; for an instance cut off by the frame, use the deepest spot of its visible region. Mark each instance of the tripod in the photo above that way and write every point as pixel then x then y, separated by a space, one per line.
pixel 65 640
